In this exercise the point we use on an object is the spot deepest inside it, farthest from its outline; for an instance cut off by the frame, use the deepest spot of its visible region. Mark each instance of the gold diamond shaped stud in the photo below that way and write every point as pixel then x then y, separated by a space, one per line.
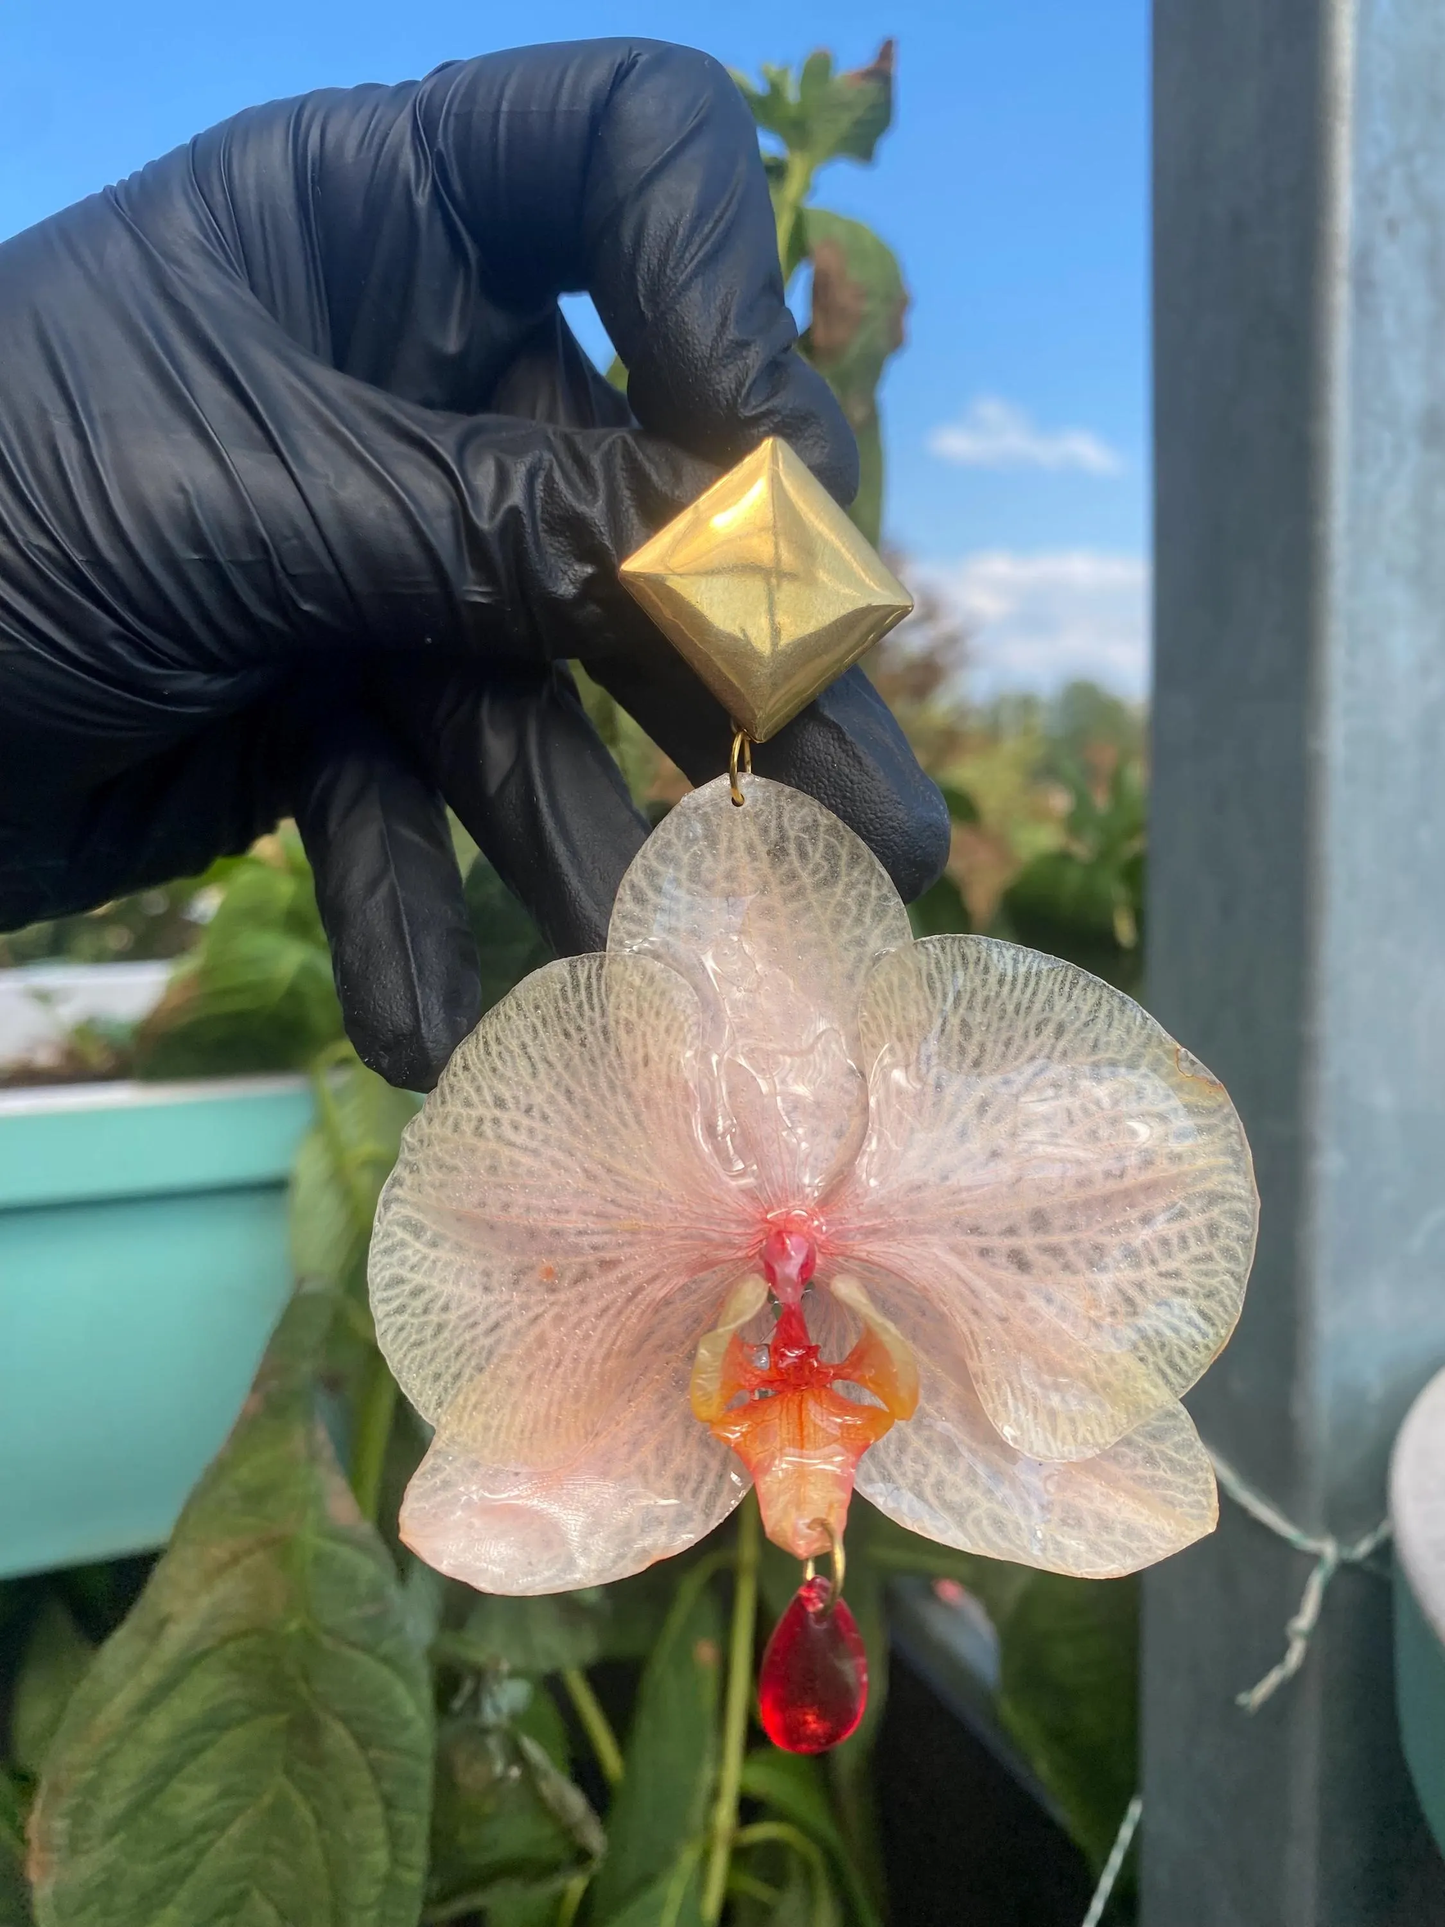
pixel 766 588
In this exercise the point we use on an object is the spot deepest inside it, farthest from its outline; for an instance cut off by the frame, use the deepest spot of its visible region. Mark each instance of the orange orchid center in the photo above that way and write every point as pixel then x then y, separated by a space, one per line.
pixel 778 1404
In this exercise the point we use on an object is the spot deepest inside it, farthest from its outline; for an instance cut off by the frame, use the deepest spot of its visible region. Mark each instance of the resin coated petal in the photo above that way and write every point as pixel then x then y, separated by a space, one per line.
pixel 774 912
pixel 1049 1169
pixel 551 1195
pixel 492 1505
pixel 948 1475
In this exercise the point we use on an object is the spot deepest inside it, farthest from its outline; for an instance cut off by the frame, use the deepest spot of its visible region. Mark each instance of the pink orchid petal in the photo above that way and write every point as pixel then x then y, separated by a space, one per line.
pixel 948 1475
pixel 775 913
pixel 534 1486
pixel 1070 1189
pixel 533 1245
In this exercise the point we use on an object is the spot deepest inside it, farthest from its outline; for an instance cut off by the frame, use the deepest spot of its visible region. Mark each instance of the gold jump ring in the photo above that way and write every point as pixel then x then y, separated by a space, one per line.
pixel 742 748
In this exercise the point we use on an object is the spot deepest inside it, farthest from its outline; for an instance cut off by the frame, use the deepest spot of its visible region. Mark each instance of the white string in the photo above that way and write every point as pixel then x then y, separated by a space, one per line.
pixel 1122 1841
pixel 1329 1555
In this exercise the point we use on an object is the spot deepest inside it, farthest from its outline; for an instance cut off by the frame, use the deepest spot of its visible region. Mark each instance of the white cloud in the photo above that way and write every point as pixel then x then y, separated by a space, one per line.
pixel 1039 621
pixel 995 434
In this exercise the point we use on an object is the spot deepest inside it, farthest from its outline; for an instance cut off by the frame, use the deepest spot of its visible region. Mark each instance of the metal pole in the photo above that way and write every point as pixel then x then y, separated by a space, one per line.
pixel 1297 909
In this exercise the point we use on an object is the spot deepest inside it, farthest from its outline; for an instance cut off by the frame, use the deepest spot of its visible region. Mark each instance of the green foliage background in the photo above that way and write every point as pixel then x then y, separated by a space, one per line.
pixel 287 1720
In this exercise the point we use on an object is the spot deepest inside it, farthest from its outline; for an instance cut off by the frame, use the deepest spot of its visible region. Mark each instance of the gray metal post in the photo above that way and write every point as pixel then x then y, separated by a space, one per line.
pixel 1297 912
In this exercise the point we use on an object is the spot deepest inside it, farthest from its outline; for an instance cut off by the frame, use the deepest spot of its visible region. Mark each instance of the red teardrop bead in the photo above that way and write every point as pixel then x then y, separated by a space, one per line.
pixel 813 1684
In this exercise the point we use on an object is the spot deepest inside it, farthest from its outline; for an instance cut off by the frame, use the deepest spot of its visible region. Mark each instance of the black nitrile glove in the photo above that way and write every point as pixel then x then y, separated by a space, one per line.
pixel 307 494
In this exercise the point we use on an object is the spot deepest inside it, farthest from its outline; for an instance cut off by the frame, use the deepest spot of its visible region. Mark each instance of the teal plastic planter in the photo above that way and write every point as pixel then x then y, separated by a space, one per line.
pixel 1417 1515
pixel 143 1263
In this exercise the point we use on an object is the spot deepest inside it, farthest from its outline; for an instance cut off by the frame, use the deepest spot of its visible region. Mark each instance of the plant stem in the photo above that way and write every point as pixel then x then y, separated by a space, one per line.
pixel 595 1723
pixel 573 1895
pixel 791 194
pixel 744 1885
pixel 735 1711
pixel 375 1410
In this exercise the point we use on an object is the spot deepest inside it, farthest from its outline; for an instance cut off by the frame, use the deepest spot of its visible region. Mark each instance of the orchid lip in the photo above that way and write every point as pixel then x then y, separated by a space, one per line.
pixel 778 1405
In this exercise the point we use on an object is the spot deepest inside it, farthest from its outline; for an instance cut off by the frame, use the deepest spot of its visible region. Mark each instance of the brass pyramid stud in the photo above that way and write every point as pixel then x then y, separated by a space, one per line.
pixel 766 588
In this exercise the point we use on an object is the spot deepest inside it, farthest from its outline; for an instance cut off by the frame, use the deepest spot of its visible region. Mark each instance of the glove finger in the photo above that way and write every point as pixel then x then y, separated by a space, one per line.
pixel 170 815
pixel 551 379
pixel 375 830
pixel 412 235
pixel 517 758
pixel 390 897
pixel 846 749
pixel 631 168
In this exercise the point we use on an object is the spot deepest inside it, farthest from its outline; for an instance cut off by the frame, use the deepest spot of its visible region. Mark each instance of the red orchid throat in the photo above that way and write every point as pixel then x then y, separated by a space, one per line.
pixel 777 1405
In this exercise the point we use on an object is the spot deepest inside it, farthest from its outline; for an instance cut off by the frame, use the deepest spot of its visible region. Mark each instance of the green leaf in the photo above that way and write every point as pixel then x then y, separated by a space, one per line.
pixel 661 1809
pixel 541 1635
pixel 805 1897
pixel 805 1903
pixel 1069 1695
pixel 1082 909
pixel 809 1902
pixel 631 748
pixel 857 322
pixel 848 114
pixel 57 1658
pixel 859 302
pixel 504 1814
pixel 14 1888
pixel 825 116
pixel 940 911
pixel 1086 902
pixel 961 806
pixel 1064 897
pixel 866 508
pixel 511 1905
pixel 423 1600
pixel 254 1744
pixel 558 1630
pixel 509 944
pixel 672 1899
pixel 342 1163
pixel 779 1853
pixel 257 993
pixel 541 1720
pixel 791 1786
pixel 14 1894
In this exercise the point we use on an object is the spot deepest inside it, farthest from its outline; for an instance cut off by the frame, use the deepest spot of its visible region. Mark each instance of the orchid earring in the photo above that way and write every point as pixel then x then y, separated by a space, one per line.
pixel 770 1194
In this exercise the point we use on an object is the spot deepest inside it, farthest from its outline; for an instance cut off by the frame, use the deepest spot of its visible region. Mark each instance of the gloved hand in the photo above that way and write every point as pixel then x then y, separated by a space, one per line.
pixel 307 494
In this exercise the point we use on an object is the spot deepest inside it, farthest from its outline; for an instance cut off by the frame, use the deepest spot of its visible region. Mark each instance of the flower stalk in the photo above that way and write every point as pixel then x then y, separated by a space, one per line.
pixel 735 1711
pixel 595 1724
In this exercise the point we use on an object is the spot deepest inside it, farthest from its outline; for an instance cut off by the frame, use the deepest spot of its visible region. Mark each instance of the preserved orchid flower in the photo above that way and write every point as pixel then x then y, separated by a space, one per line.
pixel 771 1193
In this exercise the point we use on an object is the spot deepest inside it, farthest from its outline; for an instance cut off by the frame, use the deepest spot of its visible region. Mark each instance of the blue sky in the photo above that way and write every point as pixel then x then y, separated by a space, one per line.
pixel 1013 188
